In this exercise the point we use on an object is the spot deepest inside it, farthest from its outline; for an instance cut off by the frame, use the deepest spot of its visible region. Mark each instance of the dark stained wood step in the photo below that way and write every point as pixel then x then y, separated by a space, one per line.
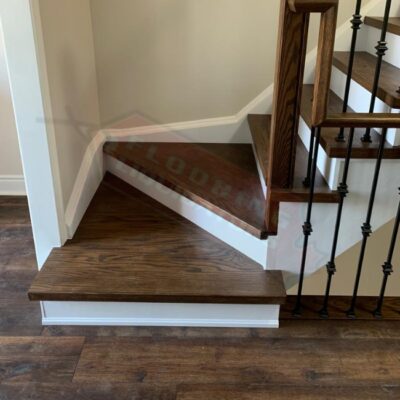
pixel 220 177
pixel 377 22
pixel 363 73
pixel 336 149
pixel 129 248
pixel 260 127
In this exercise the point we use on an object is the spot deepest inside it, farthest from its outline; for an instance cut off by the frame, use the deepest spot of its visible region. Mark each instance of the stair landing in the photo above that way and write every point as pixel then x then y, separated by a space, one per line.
pixel 129 248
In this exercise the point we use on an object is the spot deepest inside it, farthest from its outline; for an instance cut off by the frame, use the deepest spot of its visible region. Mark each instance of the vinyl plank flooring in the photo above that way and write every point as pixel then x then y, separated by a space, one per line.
pixel 289 329
pixel 288 392
pixel 314 362
pixel 38 359
pixel 70 391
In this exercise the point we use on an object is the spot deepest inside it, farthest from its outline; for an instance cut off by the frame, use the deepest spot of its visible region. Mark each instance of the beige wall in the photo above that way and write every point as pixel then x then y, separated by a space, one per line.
pixel 179 60
pixel 10 160
pixel 68 42
pixel 347 266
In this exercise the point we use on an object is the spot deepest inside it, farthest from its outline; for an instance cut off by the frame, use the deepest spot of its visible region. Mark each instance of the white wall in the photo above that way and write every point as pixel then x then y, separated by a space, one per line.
pixel 181 60
pixel 10 160
pixel 71 74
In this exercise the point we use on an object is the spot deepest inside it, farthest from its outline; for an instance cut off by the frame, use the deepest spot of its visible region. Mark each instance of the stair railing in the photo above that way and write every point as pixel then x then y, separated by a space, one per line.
pixel 292 44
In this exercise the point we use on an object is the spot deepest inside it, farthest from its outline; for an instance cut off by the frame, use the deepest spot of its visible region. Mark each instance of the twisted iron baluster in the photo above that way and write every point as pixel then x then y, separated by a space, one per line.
pixel 381 50
pixel 356 23
pixel 367 228
pixel 307 227
pixel 343 191
pixel 388 266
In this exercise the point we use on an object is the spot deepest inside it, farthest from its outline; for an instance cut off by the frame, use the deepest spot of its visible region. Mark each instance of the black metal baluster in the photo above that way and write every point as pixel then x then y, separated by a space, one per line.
pixel 343 191
pixel 381 49
pixel 307 179
pixel 356 23
pixel 388 266
pixel 366 228
pixel 307 227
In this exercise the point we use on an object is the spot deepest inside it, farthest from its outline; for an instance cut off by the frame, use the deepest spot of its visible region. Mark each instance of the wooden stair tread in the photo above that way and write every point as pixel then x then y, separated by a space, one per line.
pixel 221 177
pixel 129 248
pixel 377 22
pixel 336 149
pixel 364 71
pixel 260 127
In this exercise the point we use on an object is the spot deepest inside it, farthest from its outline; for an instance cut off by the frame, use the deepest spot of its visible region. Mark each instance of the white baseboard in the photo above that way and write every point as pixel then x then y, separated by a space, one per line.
pixel 160 314
pixel 12 185
pixel 87 182
pixel 212 223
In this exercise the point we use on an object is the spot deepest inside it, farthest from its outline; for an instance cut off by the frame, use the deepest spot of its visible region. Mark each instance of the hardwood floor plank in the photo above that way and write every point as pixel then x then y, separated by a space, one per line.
pixel 39 359
pixel 315 362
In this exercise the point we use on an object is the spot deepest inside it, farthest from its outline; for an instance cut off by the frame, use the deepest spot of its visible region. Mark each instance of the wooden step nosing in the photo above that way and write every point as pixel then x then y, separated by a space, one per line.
pixel 376 22
pixel 129 298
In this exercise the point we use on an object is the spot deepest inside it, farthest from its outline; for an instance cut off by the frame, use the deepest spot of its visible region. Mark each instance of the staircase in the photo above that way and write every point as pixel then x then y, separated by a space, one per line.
pixel 200 234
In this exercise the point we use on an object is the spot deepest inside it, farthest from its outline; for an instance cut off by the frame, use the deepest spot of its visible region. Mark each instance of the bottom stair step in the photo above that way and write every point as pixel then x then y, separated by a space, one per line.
pixel 130 248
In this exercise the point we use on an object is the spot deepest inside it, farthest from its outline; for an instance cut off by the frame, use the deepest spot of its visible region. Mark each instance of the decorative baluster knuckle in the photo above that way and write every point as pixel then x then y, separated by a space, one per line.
pixel 343 190
pixel 381 48
pixel 356 22
pixel 331 267
pixel 387 268
pixel 307 229
pixel 366 230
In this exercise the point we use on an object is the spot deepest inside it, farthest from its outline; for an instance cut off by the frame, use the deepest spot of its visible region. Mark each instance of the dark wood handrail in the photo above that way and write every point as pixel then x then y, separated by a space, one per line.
pixel 362 120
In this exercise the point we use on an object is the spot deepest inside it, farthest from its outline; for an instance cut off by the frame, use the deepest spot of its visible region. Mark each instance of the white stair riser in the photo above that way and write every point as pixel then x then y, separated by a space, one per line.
pixel 330 168
pixel 160 314
pixel 217 226
pixel 368 39
pixel 359 101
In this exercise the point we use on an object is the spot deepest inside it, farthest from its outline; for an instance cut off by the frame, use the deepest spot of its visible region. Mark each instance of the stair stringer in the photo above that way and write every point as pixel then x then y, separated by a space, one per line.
pixel 285 250
pixel 217 226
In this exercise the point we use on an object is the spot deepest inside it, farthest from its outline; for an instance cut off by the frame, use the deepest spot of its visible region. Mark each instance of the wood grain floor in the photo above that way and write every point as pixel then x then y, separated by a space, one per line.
pixel 305 359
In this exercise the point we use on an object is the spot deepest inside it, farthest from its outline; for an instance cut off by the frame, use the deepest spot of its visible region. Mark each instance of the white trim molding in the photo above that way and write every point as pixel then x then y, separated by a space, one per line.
pixel 26 70
pixel 12 185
